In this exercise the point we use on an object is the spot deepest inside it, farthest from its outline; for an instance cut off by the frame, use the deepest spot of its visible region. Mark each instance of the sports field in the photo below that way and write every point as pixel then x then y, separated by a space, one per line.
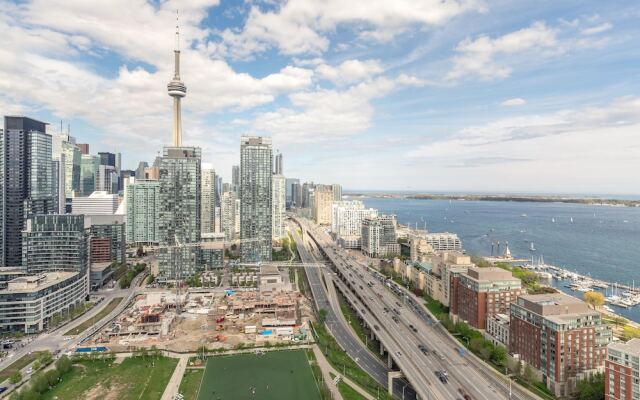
pixel 275 375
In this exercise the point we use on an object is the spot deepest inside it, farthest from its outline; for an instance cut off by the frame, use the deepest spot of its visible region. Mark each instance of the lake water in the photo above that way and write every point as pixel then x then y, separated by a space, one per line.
pixel 602 241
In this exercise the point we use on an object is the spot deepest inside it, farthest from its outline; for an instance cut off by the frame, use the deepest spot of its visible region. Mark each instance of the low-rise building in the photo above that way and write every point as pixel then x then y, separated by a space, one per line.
pixel 273 280
pixel 100 273
pixel 497 329
pixel 28 302
pixel 622 371
pixel 100 202
pixel 559 335
pixel 483 291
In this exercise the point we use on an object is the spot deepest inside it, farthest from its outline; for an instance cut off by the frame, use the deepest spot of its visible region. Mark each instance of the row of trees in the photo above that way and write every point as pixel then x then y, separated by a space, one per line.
pixel 42 382
pixel 126 279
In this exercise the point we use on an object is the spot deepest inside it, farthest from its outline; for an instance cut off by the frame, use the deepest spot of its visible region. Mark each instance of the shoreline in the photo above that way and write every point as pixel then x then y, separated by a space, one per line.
pixel 592 201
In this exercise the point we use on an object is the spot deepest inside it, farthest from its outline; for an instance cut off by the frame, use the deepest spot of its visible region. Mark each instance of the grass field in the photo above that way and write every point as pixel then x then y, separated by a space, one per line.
pixel 135 379
pixel 275 375
pixel 103 313
pixel 19 364
pixel 191 383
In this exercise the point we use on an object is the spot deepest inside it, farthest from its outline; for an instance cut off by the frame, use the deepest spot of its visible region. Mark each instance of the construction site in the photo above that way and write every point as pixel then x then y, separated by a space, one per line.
pixel 273 312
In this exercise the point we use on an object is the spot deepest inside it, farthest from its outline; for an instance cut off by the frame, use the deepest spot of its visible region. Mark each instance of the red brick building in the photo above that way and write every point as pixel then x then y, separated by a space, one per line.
pixel 622 372
pixel 483 291
pixel 100 250
pixel 559 335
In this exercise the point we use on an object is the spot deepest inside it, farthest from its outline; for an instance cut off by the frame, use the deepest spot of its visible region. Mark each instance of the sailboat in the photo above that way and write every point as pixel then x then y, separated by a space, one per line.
pixel 532 247
pixel 553 219
pixel 571 220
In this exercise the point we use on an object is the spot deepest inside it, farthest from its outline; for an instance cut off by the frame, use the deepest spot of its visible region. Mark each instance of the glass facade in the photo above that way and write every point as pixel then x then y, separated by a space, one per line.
pixel 88 174
pixel 255 198
pixel 179 212
pixel 143 207
pixel 26 183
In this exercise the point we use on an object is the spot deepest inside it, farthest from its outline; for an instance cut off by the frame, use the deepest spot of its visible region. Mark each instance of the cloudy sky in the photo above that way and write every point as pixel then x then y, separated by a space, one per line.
pixel 464 95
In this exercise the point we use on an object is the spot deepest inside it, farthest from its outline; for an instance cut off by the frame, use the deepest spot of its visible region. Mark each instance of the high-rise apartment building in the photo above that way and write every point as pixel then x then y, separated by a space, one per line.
pixel 107 238
pixel 622 371
pixel 179 213
pixel 323 199
pixel 208 201
pixel 559 335
pixel 481 292
pixel 255 198
pixel 143 208
pixel 289 182
pixel 278 205
pixel 235 179
pixel 228 213
pixel 346 222
pixel 337 192
pixel 379 236
pixel 55 242
pixel 26 184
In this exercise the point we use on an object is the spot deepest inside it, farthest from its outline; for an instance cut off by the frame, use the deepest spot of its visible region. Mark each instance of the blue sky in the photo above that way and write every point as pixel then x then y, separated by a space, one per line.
pixel 464 95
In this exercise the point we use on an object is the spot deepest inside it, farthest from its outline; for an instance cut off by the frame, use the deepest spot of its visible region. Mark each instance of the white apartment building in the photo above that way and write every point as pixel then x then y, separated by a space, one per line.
pixel 96 203
pixel 346 221
pixel 229 215
pixel 278 205
pixel 422 244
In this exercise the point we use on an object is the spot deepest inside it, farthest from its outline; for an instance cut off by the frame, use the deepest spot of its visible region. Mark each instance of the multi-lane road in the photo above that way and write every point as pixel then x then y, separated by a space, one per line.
pixel 416 342
pixel 336 323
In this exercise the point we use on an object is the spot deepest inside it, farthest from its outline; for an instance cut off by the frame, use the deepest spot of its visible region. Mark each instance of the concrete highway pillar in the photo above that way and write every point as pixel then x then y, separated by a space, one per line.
pixel 389 361
pixel 391 375
pixel 381 349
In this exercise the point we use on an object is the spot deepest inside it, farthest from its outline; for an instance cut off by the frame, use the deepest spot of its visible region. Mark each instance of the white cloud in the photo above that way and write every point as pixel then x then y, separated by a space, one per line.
pixel 583 137
pixel 301 26
pixel 350 71
pixel 594 30
pixel 481 57
pixel 327 114
pixel 516 101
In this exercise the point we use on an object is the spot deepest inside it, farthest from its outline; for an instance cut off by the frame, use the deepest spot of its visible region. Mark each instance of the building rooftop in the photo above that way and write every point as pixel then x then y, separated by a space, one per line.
pixel 630 347
pixel 269 270
pixel 554 304
pixel 100 266
pixel 32 283
pixel 490 274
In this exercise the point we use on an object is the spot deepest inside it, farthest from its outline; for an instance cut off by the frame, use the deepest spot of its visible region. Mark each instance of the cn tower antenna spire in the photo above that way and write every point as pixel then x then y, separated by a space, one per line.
pixel 177 90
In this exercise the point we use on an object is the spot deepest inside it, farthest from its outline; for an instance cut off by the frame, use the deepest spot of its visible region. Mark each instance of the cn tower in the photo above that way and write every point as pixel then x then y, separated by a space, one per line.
pixel 177 90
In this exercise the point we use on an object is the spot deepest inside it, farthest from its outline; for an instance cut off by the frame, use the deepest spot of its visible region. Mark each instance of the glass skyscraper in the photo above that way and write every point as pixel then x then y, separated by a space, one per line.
pixel 26 182
pixel 179 215
pixel 143 210
pixel 256 164
pixel 89 165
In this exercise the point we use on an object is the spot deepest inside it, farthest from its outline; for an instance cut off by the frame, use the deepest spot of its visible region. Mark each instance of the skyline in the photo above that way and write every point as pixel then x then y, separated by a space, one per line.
pixel 483 95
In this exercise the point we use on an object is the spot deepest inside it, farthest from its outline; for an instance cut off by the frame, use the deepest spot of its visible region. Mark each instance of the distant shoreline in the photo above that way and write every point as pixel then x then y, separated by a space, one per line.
pixel 515 198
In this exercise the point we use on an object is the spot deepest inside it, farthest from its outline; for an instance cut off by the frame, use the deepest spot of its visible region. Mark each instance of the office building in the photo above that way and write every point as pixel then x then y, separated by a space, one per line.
pixel 228 214
pixel 65 145
pixel 28 303
pixel 278 205
pixel 179 211
pixel 379 236
pixel 235 179
pixel 56 187
pixel 255 198
pixel 289 183
pixel 83 147
pixel 208 201
pixel 95 203
pixel 481 292
pixel 89 166
pixel 140 173
pixel 307 191
pixel 143 212
pixel 278 164
pixel 296 195
pixel 107 179
pixel 55 242
pixel 26 183
pixel 322 202
pixel 346 222
pixel 560 336
pixel 124 176
pixel 622 371
pixel 107 158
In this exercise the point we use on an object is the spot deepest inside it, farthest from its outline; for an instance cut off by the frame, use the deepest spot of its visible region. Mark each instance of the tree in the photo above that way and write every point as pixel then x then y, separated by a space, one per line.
pixel 53 376
pixel 594 299
pixel 63 365
pixel 323 315
pixel 499 355
pixel 591 388
pixel 529 375
pixel 36 365
pixel 15 378
pixel 39 383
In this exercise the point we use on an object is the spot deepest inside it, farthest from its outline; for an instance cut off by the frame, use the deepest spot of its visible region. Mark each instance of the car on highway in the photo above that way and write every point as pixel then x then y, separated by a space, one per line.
pixel 423 349
pixel 376 327
pixel 442 375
